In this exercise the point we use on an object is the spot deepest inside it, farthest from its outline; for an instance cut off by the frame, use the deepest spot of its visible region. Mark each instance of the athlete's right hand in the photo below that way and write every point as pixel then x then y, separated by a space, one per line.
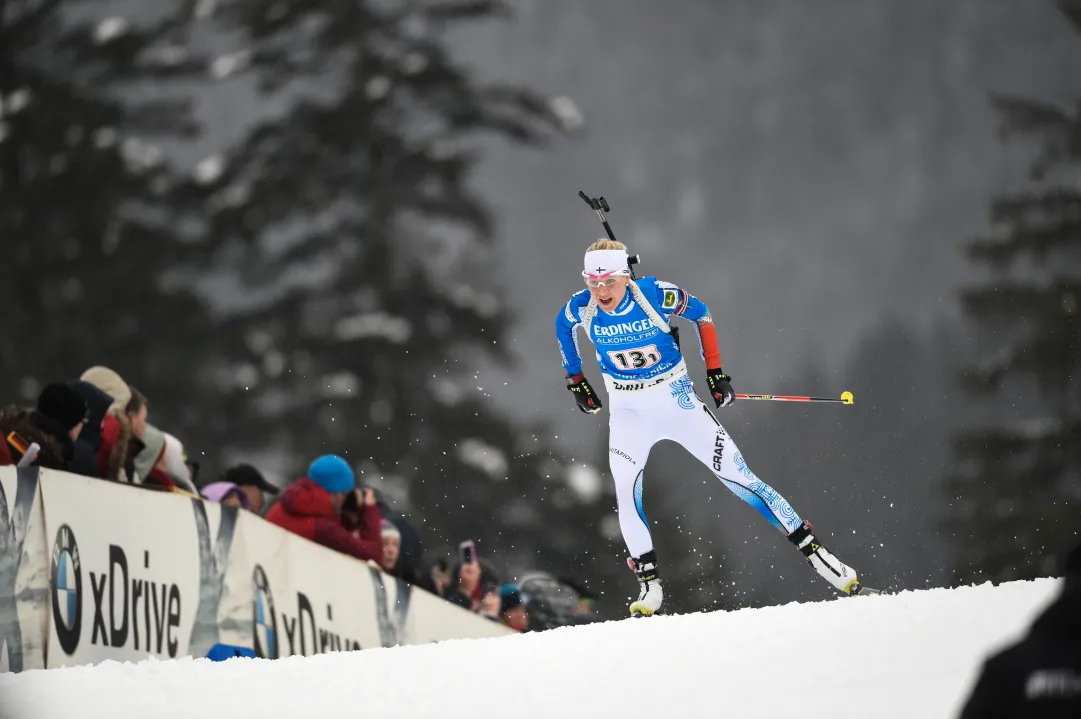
pixel 584 396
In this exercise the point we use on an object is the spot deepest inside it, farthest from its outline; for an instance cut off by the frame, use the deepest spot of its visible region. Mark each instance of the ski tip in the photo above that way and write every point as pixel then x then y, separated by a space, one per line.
pixel 846 397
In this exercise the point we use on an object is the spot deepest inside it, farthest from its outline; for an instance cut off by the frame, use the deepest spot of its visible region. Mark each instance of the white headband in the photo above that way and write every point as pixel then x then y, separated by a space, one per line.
pixel 602 263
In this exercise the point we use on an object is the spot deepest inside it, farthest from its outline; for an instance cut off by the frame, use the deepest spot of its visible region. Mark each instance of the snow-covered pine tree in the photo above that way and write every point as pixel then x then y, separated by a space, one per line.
pixel 367 291
pixel 85 227
pixel 1015 493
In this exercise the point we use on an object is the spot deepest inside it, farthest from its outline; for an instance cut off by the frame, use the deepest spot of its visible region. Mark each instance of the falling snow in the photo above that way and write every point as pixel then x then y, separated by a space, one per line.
pixel 109 29
pixel 490 460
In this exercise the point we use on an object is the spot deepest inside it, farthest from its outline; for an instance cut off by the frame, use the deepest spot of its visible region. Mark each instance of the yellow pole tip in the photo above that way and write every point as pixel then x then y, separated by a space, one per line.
pixel 846 397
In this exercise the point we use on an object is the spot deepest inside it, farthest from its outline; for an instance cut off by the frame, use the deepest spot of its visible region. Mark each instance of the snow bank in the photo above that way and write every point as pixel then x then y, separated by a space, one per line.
pixel 914 654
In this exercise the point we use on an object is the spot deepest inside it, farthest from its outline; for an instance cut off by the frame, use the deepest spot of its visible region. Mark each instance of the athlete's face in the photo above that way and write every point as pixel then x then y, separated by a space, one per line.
pixel 609 291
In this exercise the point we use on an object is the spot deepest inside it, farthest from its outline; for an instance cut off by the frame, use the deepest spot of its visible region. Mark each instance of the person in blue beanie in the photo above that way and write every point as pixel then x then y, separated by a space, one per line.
pixel 512 608
pixel 312 508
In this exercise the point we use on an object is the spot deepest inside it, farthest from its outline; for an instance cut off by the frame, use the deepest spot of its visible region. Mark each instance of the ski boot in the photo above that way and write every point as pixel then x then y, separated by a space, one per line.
pixel 651 596
pixel 829 567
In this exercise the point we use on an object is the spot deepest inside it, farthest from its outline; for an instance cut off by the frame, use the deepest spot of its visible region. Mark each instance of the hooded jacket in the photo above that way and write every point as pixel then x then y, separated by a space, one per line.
pixel 305 509
pixel 1039 676
pixel 111 383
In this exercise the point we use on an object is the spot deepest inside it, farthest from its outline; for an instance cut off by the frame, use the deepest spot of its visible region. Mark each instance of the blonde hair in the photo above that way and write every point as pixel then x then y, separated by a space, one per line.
pixel 112 384
pixel 606 244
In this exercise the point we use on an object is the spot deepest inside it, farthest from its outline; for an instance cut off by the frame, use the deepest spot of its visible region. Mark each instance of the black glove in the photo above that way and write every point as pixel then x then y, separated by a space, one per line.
pixel 720 386
pixel 587 399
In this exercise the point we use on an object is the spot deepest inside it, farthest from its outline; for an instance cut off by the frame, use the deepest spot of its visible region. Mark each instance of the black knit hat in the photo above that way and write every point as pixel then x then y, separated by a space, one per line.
pixel 245 475
pixel 63 404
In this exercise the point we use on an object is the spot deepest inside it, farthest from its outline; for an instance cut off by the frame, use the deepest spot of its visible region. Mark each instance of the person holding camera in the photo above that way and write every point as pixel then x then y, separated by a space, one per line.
pixel 470 579
pixel 328 509
pixel 362 517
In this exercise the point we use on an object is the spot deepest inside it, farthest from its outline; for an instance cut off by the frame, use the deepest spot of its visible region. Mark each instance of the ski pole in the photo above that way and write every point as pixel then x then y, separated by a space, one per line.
pixel 845 398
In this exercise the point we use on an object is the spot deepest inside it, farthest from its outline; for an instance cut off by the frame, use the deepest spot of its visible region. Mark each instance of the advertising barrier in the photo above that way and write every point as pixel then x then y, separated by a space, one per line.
pixel 92 570
pixel 24 574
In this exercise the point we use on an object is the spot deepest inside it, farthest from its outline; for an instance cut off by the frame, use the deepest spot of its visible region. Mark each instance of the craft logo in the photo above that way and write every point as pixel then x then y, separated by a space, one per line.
pixel 718 452
pixel 67 589
pixel 264 619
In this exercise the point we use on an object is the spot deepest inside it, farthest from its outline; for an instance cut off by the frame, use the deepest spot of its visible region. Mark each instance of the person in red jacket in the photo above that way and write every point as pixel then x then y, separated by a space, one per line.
pixel 312 506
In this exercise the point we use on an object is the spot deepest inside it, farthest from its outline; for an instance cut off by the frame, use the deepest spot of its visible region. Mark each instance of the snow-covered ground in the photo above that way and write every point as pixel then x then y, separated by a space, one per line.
pixel 913 654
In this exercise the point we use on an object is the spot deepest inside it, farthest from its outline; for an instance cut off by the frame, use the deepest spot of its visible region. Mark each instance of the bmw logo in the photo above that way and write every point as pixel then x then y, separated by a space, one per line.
pixel 66 587
pixel 264 619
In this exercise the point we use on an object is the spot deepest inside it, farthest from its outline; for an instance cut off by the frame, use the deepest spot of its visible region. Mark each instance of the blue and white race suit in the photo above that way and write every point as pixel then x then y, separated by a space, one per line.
pixel 651 397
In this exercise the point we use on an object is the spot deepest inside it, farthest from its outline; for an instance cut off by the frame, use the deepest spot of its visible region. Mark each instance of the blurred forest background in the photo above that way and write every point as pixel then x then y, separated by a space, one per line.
pixel 309 226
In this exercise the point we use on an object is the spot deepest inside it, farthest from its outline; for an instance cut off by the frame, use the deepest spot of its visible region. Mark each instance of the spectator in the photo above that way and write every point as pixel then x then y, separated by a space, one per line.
pixel 150 460
pixel 468 582
pixel 491 604
pixel 252 482
pixel 311 507
pixel 435 576
pixel 61 414
pixel 137 410
pixel 361 516
pixel 64 405
pixel 392 543
pixel 553 602
pixel 119 446
pixel 89 442
pixel 112 384
pixel 19 433
pixel 175 464
pixel 410 548
pixel 583 610
pixel 118 449
pixel 512 610
pixel 1040 676
pixel 227 493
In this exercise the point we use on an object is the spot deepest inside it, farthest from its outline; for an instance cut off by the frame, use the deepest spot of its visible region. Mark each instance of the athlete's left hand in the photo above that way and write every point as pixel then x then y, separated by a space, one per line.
pixel 720 386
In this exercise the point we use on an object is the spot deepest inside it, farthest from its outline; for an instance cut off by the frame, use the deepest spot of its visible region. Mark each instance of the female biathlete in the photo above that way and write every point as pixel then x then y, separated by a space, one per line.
pixel 653 398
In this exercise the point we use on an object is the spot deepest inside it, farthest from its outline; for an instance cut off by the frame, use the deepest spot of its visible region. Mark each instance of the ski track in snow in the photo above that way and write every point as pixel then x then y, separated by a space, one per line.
pixel 914 654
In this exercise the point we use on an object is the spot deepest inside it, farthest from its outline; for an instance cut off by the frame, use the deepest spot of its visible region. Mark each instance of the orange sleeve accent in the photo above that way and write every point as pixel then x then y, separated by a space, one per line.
pixel 709 345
